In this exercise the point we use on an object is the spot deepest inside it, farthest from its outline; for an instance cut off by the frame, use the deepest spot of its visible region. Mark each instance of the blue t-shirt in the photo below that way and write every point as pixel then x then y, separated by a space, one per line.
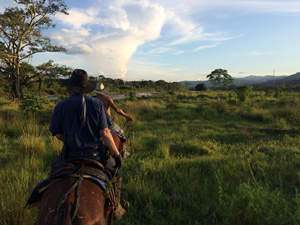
pixel 67 119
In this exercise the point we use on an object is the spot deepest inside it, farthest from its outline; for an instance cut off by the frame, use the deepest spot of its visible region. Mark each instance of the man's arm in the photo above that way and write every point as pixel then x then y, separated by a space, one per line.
pixel 117 109
pixel 109 141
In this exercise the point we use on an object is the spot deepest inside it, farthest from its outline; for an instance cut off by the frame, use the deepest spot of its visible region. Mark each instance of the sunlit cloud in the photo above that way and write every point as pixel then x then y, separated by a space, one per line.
pixel 108 40
pixel 77 18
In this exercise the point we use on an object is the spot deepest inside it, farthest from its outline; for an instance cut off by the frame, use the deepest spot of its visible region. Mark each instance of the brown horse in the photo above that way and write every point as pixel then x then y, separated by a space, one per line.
pixel 60 201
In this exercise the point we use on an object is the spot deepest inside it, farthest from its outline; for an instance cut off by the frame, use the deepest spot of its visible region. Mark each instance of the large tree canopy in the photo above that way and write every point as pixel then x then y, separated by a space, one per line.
pixel 220 78
pixel 21 37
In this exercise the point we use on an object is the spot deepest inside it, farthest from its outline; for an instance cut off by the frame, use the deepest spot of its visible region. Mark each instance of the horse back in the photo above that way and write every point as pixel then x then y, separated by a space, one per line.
pixel 90 207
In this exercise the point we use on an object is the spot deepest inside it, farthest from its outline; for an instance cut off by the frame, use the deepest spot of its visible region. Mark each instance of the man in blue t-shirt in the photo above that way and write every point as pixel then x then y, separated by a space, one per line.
pixel 81 122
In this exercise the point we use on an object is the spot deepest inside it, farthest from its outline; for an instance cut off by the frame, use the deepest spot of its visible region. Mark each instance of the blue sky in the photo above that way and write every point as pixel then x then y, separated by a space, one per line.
pixel 177 40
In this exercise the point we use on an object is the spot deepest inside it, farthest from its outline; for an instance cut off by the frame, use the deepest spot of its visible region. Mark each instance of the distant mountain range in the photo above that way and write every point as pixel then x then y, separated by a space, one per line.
pixel 255 80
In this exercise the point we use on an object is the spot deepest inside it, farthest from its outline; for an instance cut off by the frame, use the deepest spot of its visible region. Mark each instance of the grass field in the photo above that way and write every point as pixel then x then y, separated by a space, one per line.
pixel 196 158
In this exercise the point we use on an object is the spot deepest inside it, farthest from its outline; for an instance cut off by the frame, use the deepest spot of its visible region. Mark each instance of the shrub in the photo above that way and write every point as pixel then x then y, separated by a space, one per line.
pixel 243 92
pixel 132 96
pixel 62 97
pixel 201 87
pixel 269 92
pixel 32 104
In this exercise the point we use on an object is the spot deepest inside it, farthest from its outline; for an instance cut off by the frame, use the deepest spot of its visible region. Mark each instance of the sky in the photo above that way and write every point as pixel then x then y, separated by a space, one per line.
pixel 176 40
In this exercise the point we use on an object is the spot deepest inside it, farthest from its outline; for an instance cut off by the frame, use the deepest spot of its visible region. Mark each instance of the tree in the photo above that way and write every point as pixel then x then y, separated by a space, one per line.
pixel 32 75
pixel 201 87
pixel 52 71
pixel 243 92
pixel 21 37
pixel 220 78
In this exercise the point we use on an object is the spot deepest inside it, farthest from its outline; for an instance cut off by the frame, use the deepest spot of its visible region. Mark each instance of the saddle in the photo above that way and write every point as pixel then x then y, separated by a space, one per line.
pixel 121 136
pixel 76 167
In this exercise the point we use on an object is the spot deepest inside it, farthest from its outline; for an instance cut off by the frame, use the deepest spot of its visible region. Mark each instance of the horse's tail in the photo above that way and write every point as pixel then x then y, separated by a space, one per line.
pixel 63 215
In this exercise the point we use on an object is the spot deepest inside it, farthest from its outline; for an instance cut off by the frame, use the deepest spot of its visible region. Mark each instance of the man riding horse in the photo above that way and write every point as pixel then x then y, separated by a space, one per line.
pixel 82 124
pixel 109 103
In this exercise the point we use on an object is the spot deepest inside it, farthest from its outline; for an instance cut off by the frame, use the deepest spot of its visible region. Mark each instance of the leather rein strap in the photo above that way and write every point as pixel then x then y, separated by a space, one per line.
pixel 63 199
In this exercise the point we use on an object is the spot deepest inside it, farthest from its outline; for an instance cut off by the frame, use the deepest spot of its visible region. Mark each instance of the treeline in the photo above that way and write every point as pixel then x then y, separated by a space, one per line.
pixel 121 86
pixel 51 85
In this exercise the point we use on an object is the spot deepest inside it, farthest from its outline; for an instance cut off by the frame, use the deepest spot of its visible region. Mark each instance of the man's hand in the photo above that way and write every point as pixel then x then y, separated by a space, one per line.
pixel 128 118
pixel 118 161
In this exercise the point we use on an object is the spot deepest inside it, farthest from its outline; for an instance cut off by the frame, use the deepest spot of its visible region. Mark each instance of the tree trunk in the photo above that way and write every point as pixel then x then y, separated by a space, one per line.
pixel 17 86
pixel 40 85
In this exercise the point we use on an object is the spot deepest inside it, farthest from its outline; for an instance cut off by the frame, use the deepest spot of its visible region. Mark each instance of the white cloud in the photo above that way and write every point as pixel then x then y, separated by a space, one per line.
pixel 78 18
pixel 108 38
pixel 193 34
pixel 205 47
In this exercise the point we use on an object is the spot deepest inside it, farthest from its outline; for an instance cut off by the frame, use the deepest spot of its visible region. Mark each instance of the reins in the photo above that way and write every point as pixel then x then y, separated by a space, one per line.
pixel 62 200
pixel 127 129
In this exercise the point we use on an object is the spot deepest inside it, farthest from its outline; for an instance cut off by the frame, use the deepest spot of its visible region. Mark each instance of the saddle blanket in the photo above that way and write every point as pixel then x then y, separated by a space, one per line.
pixel 41 187
pixel 121 136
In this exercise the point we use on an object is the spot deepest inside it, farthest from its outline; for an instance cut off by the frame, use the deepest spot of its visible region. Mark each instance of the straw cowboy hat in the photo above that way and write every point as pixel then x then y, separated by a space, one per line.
pixel 100 89
pixel 79 82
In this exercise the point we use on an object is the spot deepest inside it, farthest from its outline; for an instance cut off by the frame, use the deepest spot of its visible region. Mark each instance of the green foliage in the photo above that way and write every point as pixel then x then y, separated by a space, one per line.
pixel 220 78
pixel 32 104
pixel 269 92
pixel 280 123
pixel 61 97
pixel 278 93
pixel 163 149
pixel 132 96
pixel 171 101
pixel 201 87
pixel 255 114
pixel 21 37
pixel 243 92
pixel 120 86
pixel 4 103
pixel 207 162
pixel 254 204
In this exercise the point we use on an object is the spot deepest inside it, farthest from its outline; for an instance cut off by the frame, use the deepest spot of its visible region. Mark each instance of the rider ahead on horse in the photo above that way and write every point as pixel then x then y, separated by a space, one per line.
pixel 82 123
pixel 109 103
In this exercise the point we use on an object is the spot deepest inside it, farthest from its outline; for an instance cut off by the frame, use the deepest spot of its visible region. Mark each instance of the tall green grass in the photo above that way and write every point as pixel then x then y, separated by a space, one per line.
pixel 195 159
